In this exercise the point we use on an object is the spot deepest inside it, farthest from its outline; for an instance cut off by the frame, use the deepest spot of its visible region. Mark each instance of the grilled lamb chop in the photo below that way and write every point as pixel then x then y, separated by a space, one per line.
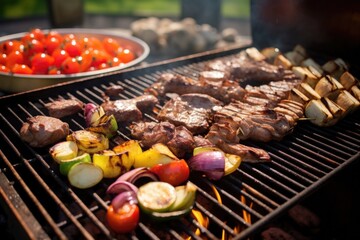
pixel 64 107
pixel 175 83
pixel 41 131
pixel 194 111
pixel 130 110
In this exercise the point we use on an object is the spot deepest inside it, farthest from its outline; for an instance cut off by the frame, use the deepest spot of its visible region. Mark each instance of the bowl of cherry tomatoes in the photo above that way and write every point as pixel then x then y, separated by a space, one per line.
pixel 41 58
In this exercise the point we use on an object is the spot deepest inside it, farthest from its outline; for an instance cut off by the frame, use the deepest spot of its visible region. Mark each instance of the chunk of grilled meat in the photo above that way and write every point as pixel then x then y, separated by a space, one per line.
pixel 181 141
pixel 176 83
pixel 130 110
pixel 64 107
pixel 41 131
pixel 240 121
pixel 247 70
pixel 149 133
pixel 194 111
pixel 269 94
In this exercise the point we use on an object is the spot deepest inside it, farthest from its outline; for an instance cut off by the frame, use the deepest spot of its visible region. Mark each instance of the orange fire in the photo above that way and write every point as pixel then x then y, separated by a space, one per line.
pixel 204 221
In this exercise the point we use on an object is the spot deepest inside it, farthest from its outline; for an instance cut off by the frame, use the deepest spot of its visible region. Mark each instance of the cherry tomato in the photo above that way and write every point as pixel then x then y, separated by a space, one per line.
pixel 38 34
pixel 59 56
pixel 70 65
pixel 3 58
pixel 54 71
pixel 51 44
pixel 123 220
pixel 41 63
pixel 91 43
pixel 99 57
pixel 22 69
pixel 3 68
pixel 176 172
pixel 111 46
pixel 73 48
pixel 10 46
pixel 68 37
pixel 85 61
pixel 126 55
pixel 55 34
pixel 32 47
pixel 14 58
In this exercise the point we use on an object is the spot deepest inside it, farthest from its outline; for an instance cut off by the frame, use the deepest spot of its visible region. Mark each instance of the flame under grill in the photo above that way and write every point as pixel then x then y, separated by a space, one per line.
pixel 39 199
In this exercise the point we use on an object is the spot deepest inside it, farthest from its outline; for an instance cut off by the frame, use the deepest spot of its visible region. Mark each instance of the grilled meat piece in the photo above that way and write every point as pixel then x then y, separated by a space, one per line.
pixel 200 141
pixel 240 121
pixel 194 111
pixel 113 90
pixel 64 107
pixel 179 139
pixel 175 83
pixel 41 131
pixel 149 133
pixel 247 70
pixel 182 142
pixel 224 136
pixel 130 110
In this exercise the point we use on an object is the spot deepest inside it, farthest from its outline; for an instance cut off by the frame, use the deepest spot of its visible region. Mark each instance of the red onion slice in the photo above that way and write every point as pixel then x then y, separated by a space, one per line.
pixel 133 175
pixel 121 186
pixel 122 198
pixel 212 163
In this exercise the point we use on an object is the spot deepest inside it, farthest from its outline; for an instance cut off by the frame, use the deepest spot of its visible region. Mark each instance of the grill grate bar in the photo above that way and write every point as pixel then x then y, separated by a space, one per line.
pixel 271 181
pixel 295 160
pixel 237 202
pixel 33 198
pixel 282 177
pixel 300 180
pixel 260 204
pixel 222 207
pixel 214 219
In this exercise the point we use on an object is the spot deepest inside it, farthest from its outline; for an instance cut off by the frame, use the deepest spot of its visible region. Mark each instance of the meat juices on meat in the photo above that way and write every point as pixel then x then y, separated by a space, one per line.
pixel 194 111
pixel 130 110
pixel 64 107
pixel 41 131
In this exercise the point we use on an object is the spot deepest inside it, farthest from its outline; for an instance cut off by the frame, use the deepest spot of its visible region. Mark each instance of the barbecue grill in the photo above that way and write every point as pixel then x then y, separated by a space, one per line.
pixel 40 203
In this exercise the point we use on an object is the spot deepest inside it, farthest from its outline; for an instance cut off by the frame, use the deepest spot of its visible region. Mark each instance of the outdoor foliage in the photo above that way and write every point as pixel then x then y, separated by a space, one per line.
pixel 13 9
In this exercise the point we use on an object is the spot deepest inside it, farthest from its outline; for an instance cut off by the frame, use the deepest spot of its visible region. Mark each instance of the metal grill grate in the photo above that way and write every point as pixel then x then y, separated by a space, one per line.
pixel 301 163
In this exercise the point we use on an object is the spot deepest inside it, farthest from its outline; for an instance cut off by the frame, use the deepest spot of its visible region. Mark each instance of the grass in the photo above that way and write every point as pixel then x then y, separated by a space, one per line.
pixel 12 9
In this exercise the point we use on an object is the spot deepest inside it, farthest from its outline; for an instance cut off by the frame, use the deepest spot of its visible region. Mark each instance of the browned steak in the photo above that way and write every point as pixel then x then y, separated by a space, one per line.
pixel 130 110
pixel 40 131
pixel 64 107
pixel 194 111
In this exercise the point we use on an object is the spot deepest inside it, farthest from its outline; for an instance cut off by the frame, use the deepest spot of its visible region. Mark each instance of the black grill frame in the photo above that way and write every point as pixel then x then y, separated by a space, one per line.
pixel 302 163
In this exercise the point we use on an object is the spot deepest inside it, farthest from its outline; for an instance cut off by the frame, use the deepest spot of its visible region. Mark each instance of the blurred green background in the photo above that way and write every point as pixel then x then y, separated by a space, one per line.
pixel 15 9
